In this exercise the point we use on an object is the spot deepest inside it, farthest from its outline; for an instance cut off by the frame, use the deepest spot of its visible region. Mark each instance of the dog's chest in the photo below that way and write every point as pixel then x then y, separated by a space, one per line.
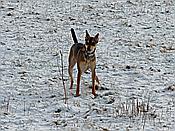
pixel 88 64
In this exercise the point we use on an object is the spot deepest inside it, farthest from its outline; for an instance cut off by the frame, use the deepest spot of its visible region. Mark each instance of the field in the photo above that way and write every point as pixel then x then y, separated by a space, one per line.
pixel 135 65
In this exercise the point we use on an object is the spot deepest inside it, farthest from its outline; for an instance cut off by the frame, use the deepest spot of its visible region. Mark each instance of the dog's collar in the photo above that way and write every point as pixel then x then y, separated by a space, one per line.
pixel 90 55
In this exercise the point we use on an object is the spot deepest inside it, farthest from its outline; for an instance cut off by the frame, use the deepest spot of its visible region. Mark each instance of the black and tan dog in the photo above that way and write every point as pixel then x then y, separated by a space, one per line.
pixel 84 56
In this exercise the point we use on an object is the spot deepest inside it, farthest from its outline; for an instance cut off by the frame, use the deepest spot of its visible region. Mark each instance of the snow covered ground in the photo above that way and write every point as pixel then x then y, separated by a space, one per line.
pixel 135 64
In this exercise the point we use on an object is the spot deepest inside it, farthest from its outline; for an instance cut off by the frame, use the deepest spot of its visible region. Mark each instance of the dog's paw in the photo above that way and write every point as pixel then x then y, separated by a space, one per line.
pixel 77 95
pixel 94 96
pixel 96 87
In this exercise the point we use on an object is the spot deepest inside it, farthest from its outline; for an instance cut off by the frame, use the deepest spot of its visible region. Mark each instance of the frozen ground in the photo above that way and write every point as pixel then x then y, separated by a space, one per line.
pixel 136 65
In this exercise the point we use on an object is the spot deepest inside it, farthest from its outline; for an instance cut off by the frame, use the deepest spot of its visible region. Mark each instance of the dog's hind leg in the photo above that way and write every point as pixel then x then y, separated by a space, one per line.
pixel 71 76
pixel 93 81
pixel 70 71
pixel 78 83
pixel 97 80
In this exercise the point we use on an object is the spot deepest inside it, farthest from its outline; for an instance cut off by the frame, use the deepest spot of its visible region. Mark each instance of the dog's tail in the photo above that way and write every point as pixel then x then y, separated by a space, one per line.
pixel 74 36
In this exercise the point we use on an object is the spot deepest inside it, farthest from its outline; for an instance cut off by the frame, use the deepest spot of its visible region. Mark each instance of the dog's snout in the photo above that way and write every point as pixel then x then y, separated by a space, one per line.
pixel 89 48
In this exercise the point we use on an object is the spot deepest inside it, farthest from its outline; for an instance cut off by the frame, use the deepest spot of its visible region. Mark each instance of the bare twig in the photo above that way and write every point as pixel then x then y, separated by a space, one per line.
pixel 8 103
pixel 62 74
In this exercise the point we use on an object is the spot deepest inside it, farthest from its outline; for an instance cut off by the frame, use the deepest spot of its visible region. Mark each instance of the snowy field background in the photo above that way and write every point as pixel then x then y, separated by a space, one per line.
pixel 135 64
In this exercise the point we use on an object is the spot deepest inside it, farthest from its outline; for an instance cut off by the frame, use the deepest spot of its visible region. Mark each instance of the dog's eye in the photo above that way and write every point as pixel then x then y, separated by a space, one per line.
pixel 87 43
pixel 93 44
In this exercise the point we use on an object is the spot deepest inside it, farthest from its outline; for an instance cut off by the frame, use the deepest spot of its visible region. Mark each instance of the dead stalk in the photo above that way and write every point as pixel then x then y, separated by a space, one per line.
pixel 62 77
pixel 24 107
pixel 144 121
pixel 137 106
pixel 8 103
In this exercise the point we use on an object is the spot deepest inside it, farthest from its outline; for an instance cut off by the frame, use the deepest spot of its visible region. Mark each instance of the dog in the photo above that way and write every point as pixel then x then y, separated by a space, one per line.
pixel 84 56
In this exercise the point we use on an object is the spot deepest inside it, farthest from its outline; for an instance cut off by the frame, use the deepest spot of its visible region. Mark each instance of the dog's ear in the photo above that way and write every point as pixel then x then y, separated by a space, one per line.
pixel 87 35
pixel 97 37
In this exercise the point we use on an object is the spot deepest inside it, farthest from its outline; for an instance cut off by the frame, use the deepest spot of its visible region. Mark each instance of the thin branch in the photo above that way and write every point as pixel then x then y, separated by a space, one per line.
pixel 62 77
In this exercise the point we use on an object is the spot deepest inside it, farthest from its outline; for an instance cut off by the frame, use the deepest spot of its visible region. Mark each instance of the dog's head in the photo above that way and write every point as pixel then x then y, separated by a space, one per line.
pixel 91 42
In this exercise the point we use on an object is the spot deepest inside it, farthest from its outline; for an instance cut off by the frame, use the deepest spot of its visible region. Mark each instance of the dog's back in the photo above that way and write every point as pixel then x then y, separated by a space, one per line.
pixel 76 47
